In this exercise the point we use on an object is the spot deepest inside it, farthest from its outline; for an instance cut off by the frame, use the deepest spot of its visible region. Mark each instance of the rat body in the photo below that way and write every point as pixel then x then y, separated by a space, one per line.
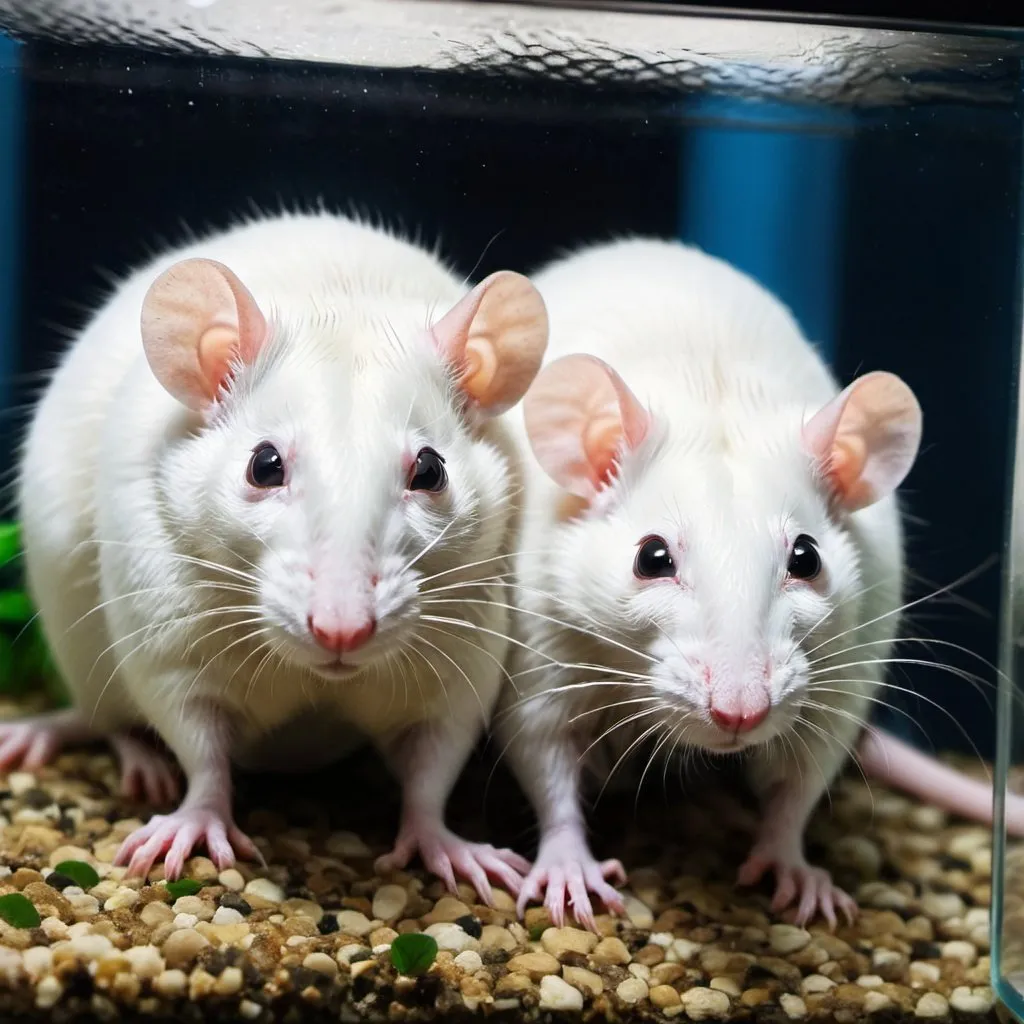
pixel 712 556
pixel 239 491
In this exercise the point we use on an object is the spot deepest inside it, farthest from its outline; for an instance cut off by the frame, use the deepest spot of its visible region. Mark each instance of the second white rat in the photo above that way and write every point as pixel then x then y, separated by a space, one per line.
pixel 712 552
pixel 240 489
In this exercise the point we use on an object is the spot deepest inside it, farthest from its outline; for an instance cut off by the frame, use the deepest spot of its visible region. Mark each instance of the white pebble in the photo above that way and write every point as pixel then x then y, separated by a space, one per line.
pixel 641 971
pixel 870 981
pixel 227 915
pixel 557 994
pixel 886 958
pixel 942 905
pixel 452 937
pixel 184 921
pixel 232 879
pixel 20 782
pixel 663 939
pixel 124 897
pixel 352 922
pixel 469 961
pixel 321 963
pixel 632 990
pixel 48 992
pixel 962 951
pixel 383 947
pixel 55 929
pixel 876 1001
pixel 248 1009
pixel 200 909
pixel 931 1004
pixel 703 1003
pixel 265 889
pixel 91 947
pixel 345 954
pixel 638 912
pixel 924 973
pixel 146 961
pixel 37 961
pixel 684 950
pixel 787 938
pixel 83 905
pixel 389 901
pixel 792 1006
pixel 815 983
pixel 979 1000
pixel 171 984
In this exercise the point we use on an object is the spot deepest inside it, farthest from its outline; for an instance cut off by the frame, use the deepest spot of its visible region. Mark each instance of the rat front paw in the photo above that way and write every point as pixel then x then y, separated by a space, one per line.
pixel 174 836
pixel 565 868
pixel 811 888
pixel 448 856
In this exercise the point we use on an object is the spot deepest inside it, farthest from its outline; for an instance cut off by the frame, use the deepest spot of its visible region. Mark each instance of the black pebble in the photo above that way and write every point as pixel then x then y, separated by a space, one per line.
pixel 328 924
pixel 470 925
pixel 58 881
pixel 922 950
pixel 755 972
pixel 36 798
pixel 66 825
pixel 233 901
pixel 950 863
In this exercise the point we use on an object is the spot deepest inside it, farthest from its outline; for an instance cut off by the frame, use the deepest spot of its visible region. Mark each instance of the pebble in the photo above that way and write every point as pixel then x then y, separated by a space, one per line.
pixel 923 973
pixel 814 984
pixel 389 901
pixel 91 947
pixel 493 936
pixel 469 961
pixel 347 844
pixel 726 985
pixel 787 938
pixel 183 946
pixel 557 994
pixel 792 1006
pixel 352 922
pixel 684 950
pixel 966 953
pixel 586 981
pixel 184 921
pixel 37 961
pixel 265 889
pixel 230 981
pixel 966 1000
pixel 346 953
pixel 876 1001
pixel 632 990
pixel 48 992
pixel 321 963
pixel 942 905
pixel 122 898
pixel 559 941
pixel 534 965
pixel 611 951
pixel 638 912
pixel 870 981
pixel 249 1010
pixel 227 915
pixel 145 961
pixel 931 1004
pixel 860 853
pixel 664 996
pixel 446 910
pixel 449 936
pixel 705 1003
pixel 171 984
pixel 231 878
pixel 201 910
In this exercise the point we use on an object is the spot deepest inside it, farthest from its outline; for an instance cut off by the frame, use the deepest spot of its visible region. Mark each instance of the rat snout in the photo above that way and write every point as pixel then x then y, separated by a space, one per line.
pixel 339 635
pixel 742 720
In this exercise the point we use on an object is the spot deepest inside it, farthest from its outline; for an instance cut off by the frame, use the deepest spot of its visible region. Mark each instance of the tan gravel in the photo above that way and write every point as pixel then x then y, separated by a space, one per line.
pixel 309 937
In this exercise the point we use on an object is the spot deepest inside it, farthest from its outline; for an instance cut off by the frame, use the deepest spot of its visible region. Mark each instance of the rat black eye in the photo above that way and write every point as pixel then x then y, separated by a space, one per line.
pixel 804 560
pixel 266 467
pixel 653 561
pixel 428 474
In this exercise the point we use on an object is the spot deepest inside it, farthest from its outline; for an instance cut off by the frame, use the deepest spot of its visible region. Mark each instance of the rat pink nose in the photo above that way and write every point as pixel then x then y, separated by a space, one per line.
pixel 739 721
pixel 341 640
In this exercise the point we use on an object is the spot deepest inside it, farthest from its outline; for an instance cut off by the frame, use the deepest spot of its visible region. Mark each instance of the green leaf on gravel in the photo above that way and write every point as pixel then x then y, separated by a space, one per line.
pixel 413 953
pixel 15 606
pixel 10 541
pixel 183 887
pixel 18 912
pixel 82 874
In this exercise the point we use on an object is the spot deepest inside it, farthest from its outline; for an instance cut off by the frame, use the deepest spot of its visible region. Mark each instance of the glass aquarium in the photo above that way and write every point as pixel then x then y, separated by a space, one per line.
pixel 869 175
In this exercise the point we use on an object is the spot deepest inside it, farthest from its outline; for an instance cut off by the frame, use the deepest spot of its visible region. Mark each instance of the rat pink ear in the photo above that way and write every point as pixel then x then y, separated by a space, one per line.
pixel 495 339
pixel 580 416
pixel 197 320
pixel 866 439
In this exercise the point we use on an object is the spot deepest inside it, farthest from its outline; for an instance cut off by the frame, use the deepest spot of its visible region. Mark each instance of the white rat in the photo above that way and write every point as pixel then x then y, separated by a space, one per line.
pixel 242 486
pixel 718 528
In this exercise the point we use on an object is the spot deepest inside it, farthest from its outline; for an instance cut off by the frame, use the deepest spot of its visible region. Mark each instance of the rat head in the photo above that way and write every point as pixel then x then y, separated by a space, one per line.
pixel 334 461
pixel 717 552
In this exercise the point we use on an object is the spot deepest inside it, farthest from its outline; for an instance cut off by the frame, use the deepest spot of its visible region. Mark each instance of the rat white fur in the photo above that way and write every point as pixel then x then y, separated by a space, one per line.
pixel 721 474
pixel 174 595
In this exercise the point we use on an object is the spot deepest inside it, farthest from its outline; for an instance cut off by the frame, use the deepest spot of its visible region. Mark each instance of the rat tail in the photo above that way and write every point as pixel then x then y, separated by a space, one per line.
pixel 894 763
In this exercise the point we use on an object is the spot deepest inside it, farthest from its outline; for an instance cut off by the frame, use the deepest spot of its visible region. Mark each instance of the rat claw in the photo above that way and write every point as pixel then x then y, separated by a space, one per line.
pixel 812 888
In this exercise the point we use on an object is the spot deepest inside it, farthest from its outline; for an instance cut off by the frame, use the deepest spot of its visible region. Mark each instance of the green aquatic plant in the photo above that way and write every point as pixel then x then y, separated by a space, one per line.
pixel 18 911
pixel 25 661
pixel 184 887
pixel 82 874
pixel 413 953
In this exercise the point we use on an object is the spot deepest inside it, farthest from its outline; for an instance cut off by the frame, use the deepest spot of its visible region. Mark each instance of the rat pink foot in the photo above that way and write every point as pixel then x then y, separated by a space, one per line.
pixel 176 835
pixel 565 866
pixel 446 855
pixel 798 880
pixel 33 742
pixel 145 773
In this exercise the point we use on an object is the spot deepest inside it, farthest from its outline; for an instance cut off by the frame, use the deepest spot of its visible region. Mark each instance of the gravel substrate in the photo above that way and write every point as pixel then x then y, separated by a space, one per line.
pixel 309 938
